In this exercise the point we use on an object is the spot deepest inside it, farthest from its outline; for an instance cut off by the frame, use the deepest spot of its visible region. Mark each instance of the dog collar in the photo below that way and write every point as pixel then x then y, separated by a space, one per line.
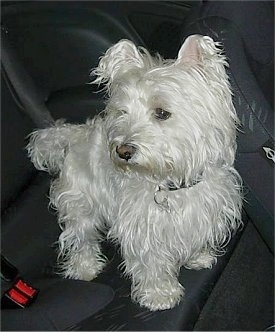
pixel 161 193
pixel 170 186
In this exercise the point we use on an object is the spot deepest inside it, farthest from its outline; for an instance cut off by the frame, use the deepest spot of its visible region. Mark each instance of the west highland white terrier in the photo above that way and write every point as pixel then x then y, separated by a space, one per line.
pixel 154 171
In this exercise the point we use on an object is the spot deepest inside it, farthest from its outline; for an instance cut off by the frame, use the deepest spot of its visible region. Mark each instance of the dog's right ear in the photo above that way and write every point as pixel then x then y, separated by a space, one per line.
pixel 117 60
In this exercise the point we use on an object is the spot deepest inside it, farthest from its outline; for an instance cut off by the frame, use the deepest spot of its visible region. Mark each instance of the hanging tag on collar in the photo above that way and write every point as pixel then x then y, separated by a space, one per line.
pixel 161 198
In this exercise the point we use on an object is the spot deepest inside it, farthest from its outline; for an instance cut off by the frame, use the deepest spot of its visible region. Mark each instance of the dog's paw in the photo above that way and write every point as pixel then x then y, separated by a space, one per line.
pixel 86 271
pixel 163 297
pixel 203 261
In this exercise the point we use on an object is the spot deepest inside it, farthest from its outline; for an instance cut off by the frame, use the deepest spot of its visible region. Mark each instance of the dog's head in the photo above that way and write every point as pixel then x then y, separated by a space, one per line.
pixel 168 118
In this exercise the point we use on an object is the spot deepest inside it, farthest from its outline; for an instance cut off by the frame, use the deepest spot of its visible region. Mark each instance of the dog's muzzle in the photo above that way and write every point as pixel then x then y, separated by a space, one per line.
pixel 125 151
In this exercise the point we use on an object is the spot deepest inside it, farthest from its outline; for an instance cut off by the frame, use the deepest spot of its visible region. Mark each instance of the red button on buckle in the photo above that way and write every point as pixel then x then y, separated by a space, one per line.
pixel 18 298
pixel 25 288
pixel 19 295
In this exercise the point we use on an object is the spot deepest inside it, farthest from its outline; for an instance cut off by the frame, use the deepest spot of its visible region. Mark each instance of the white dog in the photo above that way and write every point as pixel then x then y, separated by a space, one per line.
pixel 154 171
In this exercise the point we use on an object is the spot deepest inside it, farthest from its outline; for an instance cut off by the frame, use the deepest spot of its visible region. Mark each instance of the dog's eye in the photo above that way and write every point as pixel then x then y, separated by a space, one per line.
pixel 161 114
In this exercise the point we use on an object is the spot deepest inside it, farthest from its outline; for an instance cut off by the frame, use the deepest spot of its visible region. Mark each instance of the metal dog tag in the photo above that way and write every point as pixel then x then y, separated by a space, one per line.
pixel 161 198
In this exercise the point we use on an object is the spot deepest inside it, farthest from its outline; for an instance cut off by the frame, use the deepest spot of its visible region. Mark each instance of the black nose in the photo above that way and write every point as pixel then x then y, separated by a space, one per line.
pixel 125 151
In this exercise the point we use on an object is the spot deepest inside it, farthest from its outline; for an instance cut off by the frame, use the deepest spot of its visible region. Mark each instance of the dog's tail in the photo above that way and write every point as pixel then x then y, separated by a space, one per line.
pixel 47 148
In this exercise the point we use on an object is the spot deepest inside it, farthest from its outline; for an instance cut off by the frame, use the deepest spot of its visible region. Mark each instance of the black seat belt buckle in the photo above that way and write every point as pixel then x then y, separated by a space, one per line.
pixel 20 295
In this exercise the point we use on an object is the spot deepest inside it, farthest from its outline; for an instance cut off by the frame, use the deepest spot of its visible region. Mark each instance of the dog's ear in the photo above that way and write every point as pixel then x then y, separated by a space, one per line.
pixel 189 51
pixel 200 50
pixel 118 59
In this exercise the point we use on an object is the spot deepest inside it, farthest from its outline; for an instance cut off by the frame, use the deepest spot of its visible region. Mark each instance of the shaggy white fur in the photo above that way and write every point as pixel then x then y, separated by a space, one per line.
pixel 154 171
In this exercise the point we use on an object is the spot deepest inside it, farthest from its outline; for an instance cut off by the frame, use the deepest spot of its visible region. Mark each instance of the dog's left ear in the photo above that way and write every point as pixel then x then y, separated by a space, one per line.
pixel 117 60
pixel 200 50
pixel 189 51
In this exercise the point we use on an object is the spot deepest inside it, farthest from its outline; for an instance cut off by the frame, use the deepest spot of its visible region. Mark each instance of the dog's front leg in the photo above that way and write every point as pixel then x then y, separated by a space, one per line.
pixel 80 251
pixel 84 261
pixel 154 281
pixel 79 243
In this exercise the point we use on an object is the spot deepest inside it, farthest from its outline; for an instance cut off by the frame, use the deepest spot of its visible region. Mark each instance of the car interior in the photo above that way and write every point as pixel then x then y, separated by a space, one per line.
pixel 48 49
